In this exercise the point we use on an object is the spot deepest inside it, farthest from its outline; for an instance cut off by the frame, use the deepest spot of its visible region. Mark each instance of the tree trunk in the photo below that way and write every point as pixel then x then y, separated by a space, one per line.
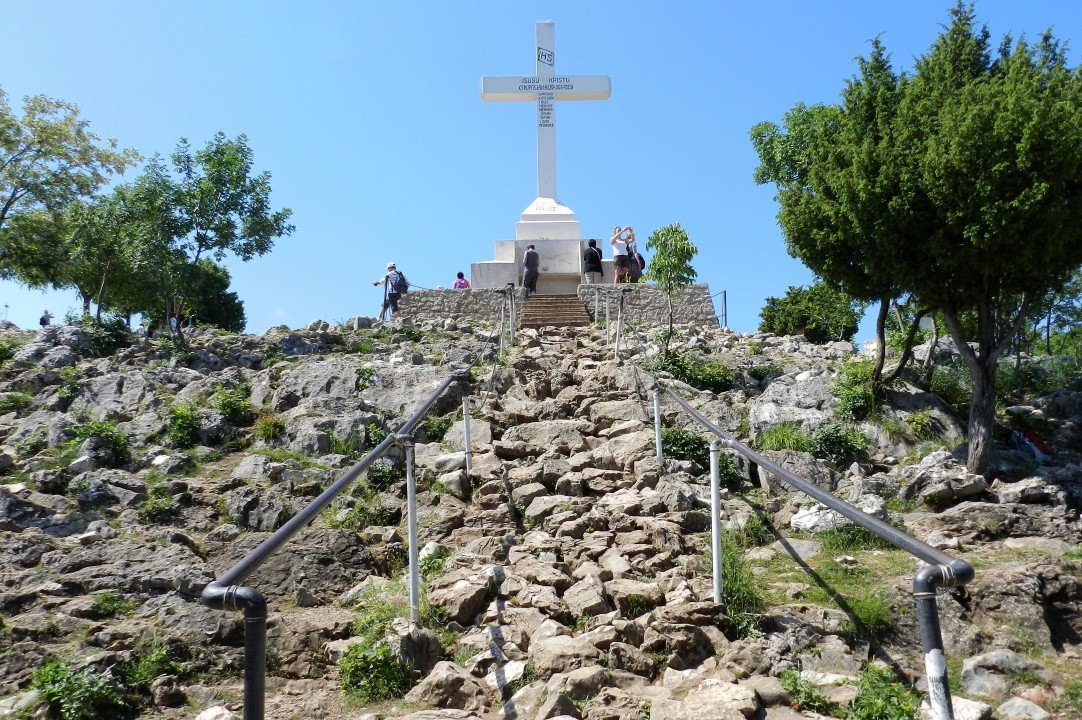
pixel 1048 331
pixel 881 341
pixel 668 336
pixel 907 350
pixel 982 417
pixel 101 288
pixel 982 370
pixel 929 365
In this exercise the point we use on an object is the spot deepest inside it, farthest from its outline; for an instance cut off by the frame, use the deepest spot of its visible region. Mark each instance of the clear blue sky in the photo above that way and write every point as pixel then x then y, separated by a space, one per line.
pixel 369 117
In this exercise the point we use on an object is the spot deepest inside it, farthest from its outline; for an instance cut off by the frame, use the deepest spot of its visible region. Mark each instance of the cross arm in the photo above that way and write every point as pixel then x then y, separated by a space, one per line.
pixel 526 88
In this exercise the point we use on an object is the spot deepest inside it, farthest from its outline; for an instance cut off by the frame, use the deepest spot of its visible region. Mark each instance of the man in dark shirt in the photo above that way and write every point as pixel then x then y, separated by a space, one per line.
pixel 531 268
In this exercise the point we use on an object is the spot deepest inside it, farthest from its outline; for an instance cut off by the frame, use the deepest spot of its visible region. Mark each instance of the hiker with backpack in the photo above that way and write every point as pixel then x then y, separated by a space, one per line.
pixel 395 285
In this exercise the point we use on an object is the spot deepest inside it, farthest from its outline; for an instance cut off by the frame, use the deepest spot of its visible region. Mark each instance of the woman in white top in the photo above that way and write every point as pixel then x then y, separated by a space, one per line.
pixel 620 263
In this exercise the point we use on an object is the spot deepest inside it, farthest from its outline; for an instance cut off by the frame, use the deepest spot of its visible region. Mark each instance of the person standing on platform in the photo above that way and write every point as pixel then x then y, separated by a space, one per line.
pixel 620 262
pixel 531 268
pixel 394 284
pixel 635 261
pixel 591 263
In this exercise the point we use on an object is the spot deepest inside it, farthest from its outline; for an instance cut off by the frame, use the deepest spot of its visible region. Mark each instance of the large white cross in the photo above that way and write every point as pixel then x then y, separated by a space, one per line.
pixel 545 87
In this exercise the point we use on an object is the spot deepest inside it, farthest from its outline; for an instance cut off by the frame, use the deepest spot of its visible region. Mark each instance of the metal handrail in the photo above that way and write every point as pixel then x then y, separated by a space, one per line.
pixel 226 593
pixel 942 569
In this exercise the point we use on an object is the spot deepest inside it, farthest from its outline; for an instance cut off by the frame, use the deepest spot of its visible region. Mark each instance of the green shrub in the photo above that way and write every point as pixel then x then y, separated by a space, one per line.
pixel 269 427
pixel 352 446
pixel 147 664
pixel 713 376
pixel 879 697
pixel 159 505
pixel 894 430
pixel 107 430
pixel 370 671
pixel 274 354
pixel 754 533
pixel 740 592
pixel 8 348
pixel 785 436
pixel 374 434
pixel 806 694
pixel 762 372
pixel 844 539
pixel 32 445
pixel 106 337
pixel 364 376
pixel 385 472
pixel 13 401
pixel 838 443
pixel 853 390
pixel 436 427
pixel 71 383
pixel 77 695
pixel 952 383
pixel 685 445
pixel 431 566
pixel 1072 696
pixel 111 603
pixel 183 425
pixel 362 347
pixel 412 333
pixel 920 422
pixel 367 511
pixel 234 404
pixel 872 613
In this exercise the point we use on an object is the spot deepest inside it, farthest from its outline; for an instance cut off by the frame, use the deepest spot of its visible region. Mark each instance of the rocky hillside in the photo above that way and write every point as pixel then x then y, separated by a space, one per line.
pixel 567 575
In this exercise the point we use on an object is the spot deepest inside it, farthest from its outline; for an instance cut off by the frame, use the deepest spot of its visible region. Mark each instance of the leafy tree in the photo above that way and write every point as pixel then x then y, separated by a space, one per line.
pixel 98 239
pixel 823 313
pixel 836 179
pixel 1056 327
pixel 209 300
pixel 972 208
pixel 48 158
pixel 209 207
pixel 670 268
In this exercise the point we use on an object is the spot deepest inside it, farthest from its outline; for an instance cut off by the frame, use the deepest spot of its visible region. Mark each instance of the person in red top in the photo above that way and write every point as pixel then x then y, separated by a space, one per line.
pixel 462 283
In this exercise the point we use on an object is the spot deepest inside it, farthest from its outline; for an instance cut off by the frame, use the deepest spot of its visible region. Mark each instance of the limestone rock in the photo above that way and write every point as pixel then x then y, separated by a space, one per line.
pixel 449 686
pixel 561 654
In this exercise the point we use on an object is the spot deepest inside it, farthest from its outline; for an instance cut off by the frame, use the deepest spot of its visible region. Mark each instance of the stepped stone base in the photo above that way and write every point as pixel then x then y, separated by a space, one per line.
pixel 553 310
pixel 644 304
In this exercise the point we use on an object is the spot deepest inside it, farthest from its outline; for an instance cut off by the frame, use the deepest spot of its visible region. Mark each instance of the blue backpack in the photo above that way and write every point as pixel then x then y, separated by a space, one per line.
pixel 399 283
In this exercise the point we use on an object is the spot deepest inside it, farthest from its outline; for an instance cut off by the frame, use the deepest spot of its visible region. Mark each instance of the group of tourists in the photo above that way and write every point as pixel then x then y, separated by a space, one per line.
pixel 627 262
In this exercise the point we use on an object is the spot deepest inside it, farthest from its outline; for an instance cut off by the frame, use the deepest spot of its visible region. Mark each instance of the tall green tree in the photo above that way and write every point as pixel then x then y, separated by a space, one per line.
pixel 837 180
pixel 48 158
pixel 98 239
pixel 977 208
pixel 822 313
pixel 210 204
pixel 670 269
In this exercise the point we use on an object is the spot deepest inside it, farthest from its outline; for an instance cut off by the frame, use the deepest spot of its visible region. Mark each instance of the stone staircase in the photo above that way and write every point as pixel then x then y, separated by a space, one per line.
pixel 553 310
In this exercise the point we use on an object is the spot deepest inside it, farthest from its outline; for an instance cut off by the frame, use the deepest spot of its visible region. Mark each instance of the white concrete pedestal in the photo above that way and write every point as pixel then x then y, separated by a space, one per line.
pixel 554 232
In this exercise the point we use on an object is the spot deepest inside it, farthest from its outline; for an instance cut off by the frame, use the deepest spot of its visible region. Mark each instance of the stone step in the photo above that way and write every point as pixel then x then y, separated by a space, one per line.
pixel 553 310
